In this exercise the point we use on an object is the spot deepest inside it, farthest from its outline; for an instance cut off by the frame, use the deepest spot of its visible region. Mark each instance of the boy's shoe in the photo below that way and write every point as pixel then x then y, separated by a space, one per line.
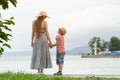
pixel 58 73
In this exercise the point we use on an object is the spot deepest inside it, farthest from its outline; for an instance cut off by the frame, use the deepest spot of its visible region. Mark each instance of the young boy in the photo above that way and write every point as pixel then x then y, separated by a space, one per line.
pixel 60 50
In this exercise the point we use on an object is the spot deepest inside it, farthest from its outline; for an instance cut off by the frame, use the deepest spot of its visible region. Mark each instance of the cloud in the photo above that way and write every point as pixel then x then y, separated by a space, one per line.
pixel 83 19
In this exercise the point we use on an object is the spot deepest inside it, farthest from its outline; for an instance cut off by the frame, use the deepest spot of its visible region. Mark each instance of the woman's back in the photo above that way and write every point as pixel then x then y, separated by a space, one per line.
pixel 39 27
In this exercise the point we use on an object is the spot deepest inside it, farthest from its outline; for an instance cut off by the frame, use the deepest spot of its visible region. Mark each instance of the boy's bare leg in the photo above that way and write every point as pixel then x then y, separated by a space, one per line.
pixel 61 67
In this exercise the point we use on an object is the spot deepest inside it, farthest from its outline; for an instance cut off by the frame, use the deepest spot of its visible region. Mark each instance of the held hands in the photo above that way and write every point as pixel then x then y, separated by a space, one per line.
pixel 51 45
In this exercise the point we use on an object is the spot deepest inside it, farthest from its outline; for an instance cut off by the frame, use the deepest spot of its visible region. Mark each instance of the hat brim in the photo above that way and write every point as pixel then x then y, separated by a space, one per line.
pixel 42 15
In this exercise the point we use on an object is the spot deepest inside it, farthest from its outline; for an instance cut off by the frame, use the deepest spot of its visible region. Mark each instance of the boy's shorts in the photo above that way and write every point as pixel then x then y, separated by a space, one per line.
pixel 60 58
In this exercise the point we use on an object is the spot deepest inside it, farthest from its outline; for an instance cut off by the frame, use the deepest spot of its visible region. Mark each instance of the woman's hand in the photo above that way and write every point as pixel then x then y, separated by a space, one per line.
pixel 32 44
pixel 50 45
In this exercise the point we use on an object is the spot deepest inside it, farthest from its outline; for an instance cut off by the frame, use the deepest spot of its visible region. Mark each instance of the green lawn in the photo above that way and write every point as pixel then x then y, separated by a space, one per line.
pixel 27 76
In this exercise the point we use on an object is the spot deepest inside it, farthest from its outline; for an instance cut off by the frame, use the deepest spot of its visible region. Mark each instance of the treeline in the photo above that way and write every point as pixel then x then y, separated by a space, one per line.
pixel 112 45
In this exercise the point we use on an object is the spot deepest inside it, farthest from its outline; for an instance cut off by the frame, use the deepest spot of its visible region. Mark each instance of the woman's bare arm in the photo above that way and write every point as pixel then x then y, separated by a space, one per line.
pixel 47 33
pixel 33 34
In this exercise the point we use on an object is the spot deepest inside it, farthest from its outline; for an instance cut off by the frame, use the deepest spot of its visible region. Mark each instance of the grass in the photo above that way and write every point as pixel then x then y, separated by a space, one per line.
pixel 27 76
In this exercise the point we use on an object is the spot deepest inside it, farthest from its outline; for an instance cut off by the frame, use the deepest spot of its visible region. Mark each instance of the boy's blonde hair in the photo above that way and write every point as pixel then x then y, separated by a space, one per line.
pixel 62 31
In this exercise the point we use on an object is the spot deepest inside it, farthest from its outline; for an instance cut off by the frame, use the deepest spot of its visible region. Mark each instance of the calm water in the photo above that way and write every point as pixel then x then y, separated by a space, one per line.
pixel 73 65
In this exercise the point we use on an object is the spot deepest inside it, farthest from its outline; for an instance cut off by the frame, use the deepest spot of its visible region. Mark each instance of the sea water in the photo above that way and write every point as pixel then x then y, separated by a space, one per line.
pixel 72 65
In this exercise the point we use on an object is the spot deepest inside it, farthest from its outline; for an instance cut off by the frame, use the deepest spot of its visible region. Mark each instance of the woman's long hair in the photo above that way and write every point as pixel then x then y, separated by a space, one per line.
pixel 38 23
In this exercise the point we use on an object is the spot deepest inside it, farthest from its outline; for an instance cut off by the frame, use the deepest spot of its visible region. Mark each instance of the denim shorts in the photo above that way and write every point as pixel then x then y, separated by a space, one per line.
pixel 60 58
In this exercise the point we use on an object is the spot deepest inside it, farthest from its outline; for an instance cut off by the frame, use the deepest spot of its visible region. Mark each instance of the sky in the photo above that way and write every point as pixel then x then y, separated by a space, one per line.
pixel 83 20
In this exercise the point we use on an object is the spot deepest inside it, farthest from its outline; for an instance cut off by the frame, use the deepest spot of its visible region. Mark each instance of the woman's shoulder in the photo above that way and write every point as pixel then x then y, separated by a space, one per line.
pixel 44 22
pixel 33 22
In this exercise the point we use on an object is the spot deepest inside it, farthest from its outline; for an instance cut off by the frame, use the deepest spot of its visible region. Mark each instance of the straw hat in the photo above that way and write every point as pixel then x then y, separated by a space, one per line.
pixel 62 30
pixel 43 13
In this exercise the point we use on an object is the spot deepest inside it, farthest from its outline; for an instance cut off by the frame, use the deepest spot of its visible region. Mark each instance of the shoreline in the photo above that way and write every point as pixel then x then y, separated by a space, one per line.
pixel 100 56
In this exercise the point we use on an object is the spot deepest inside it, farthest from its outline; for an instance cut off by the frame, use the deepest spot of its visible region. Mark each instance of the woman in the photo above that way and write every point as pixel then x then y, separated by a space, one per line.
pixel 40 38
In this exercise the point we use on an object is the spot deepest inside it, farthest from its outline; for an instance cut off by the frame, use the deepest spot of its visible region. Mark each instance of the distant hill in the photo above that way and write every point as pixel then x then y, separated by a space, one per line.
pixel 75 51
pixel 20 53
pixel 78 50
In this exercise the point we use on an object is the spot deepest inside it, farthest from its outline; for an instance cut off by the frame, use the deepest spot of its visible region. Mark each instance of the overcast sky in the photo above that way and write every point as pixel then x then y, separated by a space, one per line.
pixel 83 20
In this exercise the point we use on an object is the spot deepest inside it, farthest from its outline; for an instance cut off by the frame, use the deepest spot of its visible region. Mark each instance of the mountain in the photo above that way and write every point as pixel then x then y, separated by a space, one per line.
pixel 79 50
pixel 22 53
pixel 75 51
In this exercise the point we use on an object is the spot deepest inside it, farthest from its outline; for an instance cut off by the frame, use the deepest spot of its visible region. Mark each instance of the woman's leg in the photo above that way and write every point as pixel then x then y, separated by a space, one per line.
pixel 40 70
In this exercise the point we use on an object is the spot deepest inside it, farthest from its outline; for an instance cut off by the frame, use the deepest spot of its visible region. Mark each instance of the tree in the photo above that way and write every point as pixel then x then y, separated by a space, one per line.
pixel 5 25
pixel 114 44
pixel 91 44
pixel 105 45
